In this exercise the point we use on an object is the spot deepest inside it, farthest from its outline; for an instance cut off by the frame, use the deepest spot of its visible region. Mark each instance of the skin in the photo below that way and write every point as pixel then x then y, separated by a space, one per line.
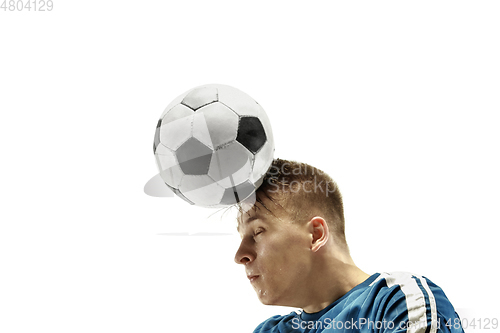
pixel 299 263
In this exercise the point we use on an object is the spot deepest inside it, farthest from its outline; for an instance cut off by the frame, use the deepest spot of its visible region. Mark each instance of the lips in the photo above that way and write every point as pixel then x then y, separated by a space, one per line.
pixel 252 278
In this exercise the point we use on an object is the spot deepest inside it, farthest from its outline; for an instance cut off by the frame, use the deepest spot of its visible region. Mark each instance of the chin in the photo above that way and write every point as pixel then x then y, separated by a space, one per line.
pixel 265 301
pixel 268 299
pixel 276 301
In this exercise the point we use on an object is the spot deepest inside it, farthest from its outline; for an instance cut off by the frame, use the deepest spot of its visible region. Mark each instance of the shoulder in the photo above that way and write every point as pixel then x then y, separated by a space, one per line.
pixel 416 289
pixel 414 299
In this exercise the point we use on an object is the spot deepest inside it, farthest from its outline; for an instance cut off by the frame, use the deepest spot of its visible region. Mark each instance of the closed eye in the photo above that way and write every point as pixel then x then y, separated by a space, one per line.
pixel 258 231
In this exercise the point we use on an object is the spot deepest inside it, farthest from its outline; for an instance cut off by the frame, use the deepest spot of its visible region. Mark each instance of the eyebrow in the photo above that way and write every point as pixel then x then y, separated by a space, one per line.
pixel 249 220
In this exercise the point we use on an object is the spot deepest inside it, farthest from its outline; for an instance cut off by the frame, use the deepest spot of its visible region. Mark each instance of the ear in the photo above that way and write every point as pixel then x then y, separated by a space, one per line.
pixel 320 232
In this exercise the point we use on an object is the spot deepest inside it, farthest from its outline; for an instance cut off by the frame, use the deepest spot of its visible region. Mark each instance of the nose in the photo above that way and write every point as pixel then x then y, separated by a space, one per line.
pixel 244 255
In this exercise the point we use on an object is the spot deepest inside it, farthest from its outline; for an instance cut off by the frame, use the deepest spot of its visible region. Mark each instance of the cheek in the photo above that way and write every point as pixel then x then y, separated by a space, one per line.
pixel 284 253
pixel 283 262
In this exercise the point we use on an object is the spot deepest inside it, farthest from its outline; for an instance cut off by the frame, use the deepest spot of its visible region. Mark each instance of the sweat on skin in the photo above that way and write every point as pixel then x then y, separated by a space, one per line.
pixel 295 263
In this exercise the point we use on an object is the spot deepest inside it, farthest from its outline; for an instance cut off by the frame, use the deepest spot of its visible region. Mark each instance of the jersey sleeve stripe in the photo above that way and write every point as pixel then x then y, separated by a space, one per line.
pixel 415 300
pixel 427 304
pixel 432 301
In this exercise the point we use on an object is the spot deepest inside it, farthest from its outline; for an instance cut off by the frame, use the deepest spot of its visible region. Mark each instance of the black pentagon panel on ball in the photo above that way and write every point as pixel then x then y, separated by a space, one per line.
pixel 199 97
pixel 237 193
pixel 157 136
pixel 194 157
pixel 251 133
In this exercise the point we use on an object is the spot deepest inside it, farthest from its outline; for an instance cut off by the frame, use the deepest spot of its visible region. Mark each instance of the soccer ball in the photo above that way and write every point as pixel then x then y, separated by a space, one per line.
pixel 213 145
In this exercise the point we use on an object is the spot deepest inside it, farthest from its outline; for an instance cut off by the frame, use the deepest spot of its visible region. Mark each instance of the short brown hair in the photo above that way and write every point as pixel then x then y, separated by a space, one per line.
pixel 304 191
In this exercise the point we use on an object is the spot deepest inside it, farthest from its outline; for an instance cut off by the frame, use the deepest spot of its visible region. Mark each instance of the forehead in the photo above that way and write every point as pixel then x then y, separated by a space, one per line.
pixel 265 209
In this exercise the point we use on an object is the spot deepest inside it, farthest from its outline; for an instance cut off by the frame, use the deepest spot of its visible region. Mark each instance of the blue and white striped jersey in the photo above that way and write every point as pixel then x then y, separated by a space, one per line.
pixel 384 303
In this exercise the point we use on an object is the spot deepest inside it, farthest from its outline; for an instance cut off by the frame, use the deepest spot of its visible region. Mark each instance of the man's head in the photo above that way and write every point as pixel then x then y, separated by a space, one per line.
pixel 294 228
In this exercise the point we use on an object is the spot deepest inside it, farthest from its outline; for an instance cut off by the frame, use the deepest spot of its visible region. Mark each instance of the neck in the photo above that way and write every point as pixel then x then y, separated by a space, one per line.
pixel 331 283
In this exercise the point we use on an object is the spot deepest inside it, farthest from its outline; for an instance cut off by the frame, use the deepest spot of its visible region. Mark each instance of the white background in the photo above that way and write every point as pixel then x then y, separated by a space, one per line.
pixel 398 101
